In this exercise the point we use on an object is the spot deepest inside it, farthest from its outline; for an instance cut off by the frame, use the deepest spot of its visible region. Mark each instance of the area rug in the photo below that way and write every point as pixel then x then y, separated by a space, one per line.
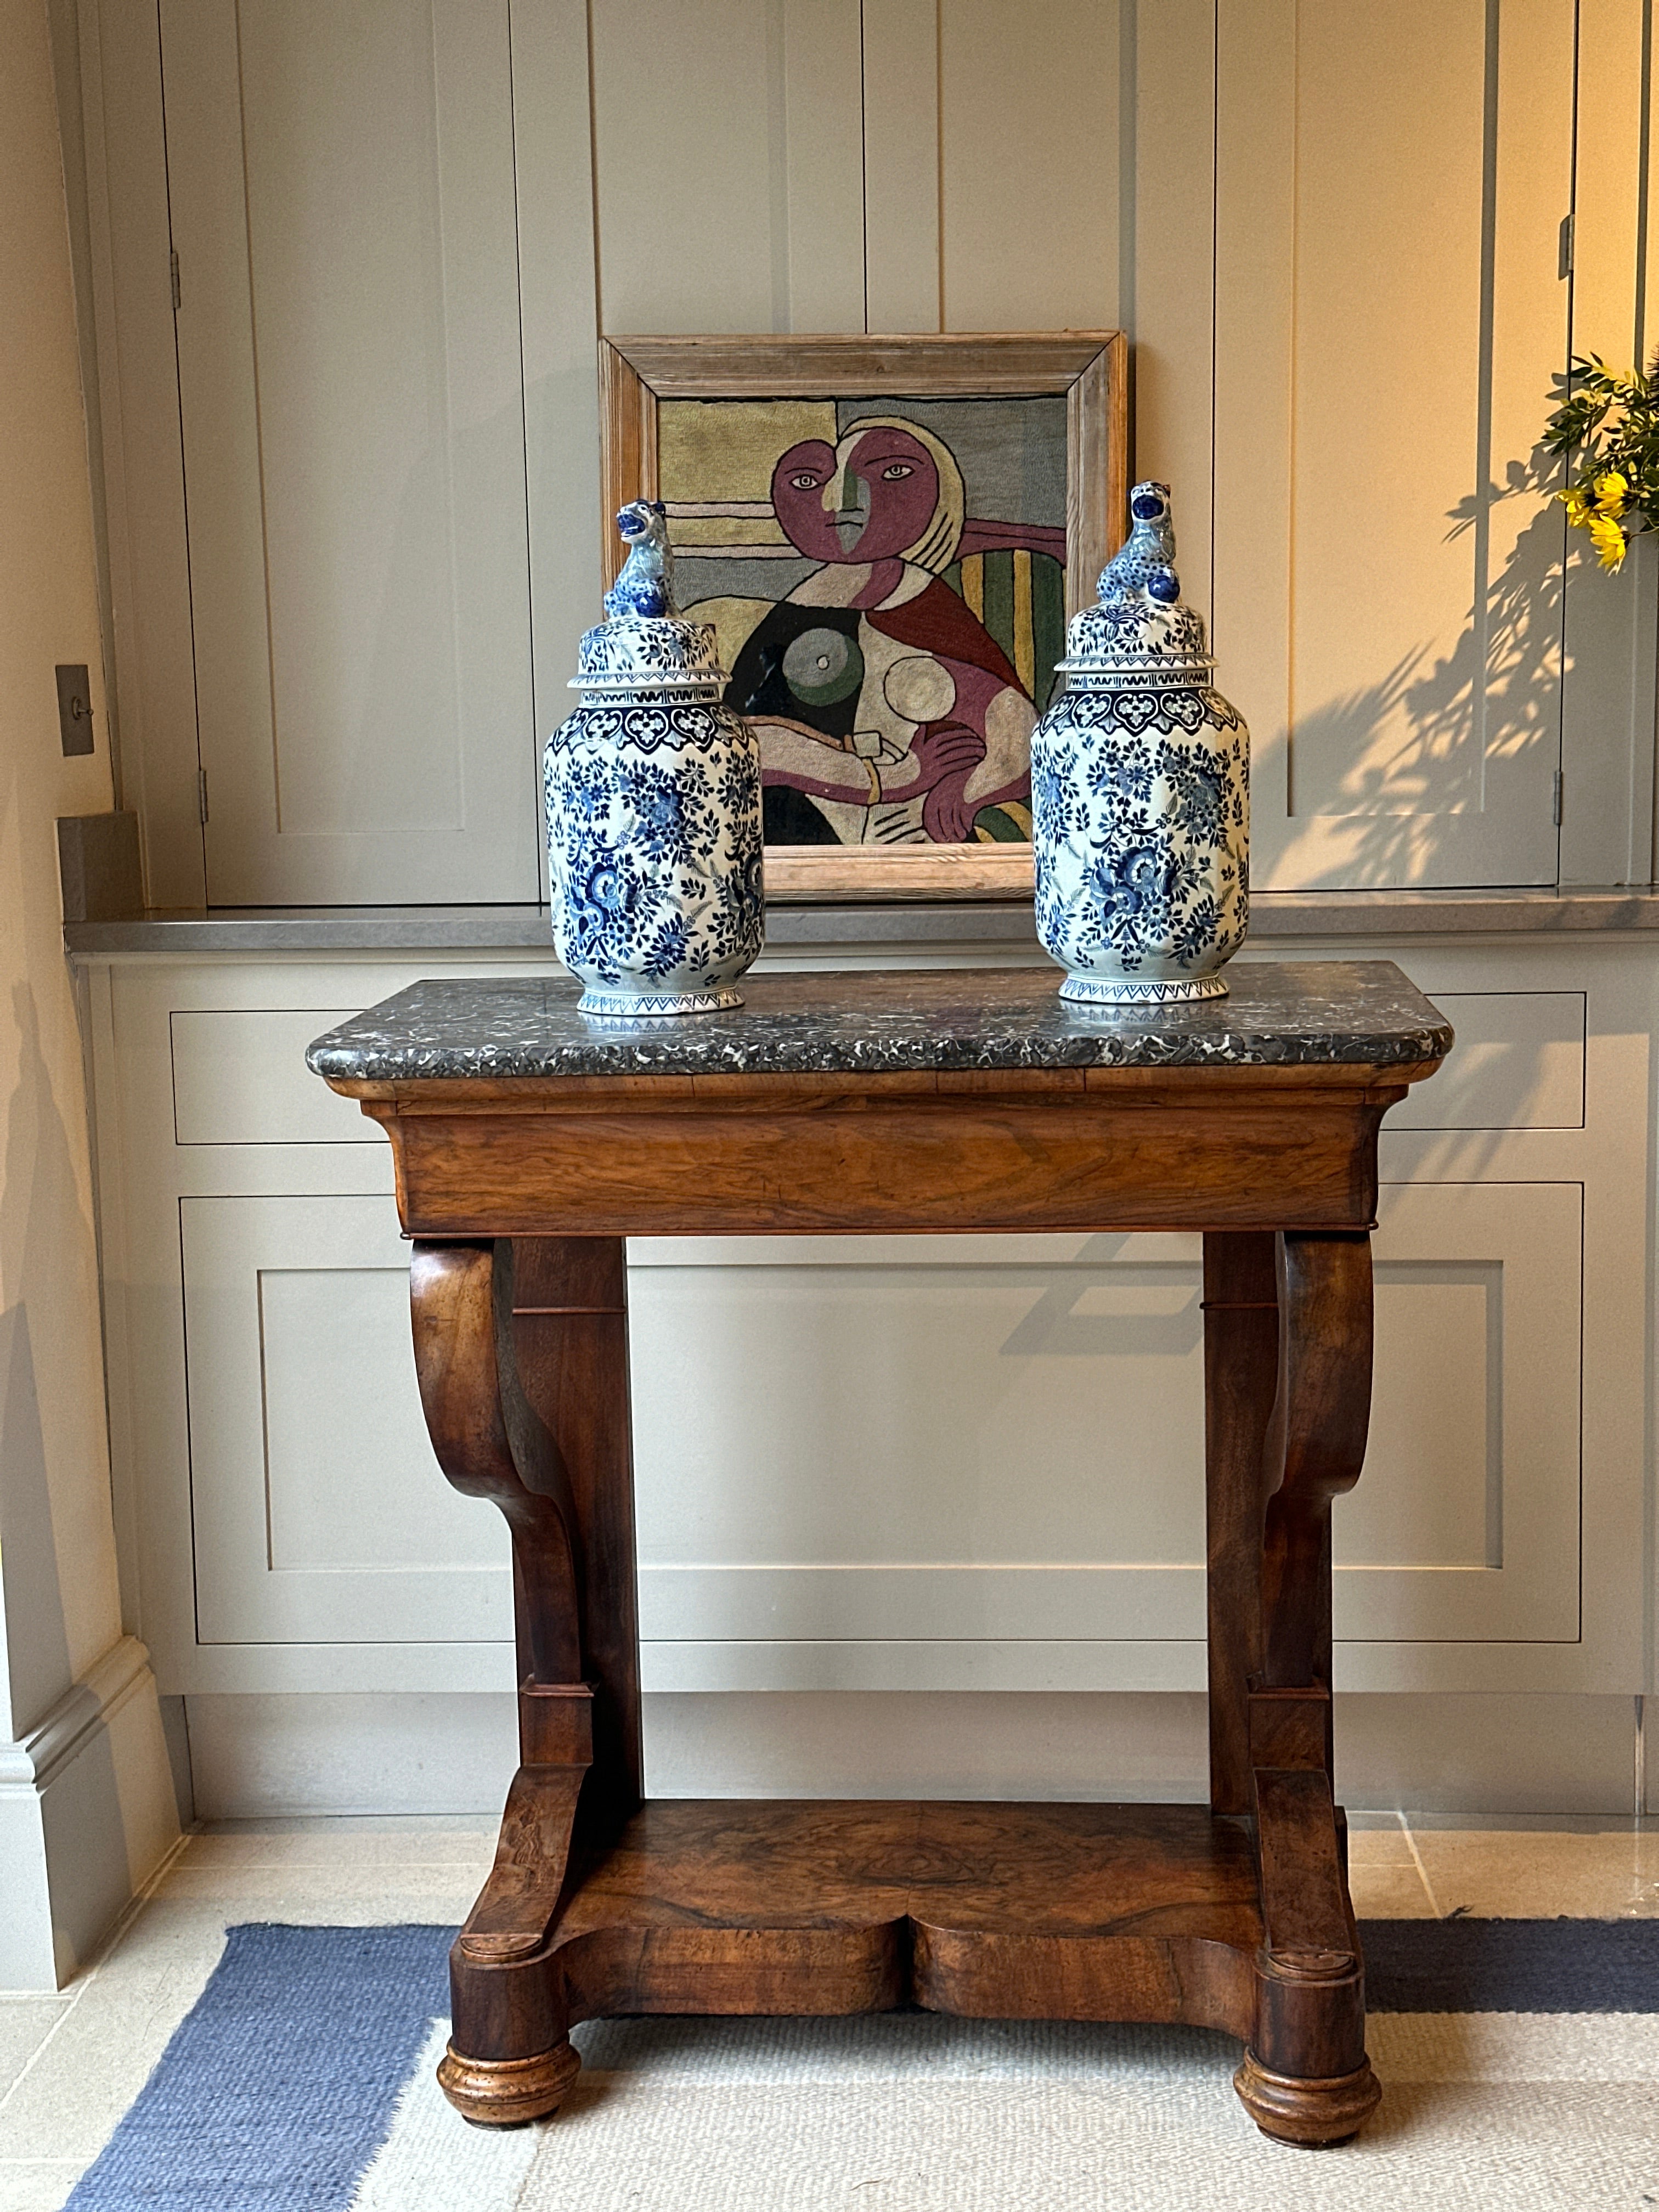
pixel 1520 2063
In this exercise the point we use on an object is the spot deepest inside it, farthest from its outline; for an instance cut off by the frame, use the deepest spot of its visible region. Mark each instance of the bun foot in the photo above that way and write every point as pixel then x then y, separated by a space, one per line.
pixel 508 2093
pixel 1314 2113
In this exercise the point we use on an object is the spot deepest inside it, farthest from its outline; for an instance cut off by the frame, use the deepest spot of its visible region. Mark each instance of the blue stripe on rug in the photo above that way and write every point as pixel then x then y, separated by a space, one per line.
pixel 279 2086
pixel 1512 1965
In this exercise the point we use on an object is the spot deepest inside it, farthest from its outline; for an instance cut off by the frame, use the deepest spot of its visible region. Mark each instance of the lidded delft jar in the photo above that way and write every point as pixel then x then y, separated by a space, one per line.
pixel 1140 790
pixel 652 793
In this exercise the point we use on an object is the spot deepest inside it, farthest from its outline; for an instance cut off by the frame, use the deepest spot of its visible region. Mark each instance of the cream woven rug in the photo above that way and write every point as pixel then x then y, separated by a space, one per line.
pixel 1517 2110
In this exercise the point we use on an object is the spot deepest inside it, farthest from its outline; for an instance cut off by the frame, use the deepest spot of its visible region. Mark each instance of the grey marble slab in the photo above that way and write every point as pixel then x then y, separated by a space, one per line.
pixel 1291 1013
pixel 1005 923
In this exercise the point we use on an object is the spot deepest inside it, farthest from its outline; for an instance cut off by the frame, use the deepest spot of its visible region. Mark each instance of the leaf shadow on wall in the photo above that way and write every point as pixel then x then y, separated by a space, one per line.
pixel 1411 753
pixel 1055 1325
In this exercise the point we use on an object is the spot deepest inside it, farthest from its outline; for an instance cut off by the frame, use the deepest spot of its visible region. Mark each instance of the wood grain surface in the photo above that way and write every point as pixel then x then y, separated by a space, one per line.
pixel 1044 1912
pixel 1234 1916
pixel 779 1154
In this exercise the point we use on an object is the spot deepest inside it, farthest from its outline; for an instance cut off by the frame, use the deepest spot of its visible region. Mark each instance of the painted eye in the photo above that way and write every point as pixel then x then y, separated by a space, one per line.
pixel 804 482
pixel 898 469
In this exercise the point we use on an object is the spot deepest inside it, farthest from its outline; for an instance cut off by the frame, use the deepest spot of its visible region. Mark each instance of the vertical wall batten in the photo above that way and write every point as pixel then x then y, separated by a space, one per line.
pixel 142 459
pixel 823 154
pixel 1021 131
pixel 1167 258
pixel 553 173
pixel 351 378
pixel 1314 284
pixel 902 164
pixel 1608 701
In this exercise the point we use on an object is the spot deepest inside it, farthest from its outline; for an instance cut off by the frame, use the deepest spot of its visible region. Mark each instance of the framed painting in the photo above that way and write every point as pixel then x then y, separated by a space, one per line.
pixel 889 535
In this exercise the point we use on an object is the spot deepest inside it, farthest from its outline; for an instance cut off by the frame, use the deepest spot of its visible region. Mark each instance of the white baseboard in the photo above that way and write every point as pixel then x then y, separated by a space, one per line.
pixel 86 1814
pixel 272 1755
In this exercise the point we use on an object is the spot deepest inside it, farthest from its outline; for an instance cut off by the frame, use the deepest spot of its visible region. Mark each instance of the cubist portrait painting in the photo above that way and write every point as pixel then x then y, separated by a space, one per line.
pixel 887 578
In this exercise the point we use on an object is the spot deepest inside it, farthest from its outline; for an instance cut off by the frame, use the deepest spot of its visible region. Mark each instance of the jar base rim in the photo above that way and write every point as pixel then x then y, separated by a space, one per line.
pixel 1128 991
pixel 636 1006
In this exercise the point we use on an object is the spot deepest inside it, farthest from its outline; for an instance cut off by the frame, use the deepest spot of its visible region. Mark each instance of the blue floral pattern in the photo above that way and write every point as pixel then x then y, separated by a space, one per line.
pixel 654 828
pixel 1140 789
pixel 1141 810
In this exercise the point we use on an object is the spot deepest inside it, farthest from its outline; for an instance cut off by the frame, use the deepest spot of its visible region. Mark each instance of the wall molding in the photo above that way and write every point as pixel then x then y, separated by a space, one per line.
pixel 32 1761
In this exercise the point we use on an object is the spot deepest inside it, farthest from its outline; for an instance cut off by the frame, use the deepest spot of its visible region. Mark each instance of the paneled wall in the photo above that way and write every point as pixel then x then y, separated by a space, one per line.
pixel 886 1467
pixel 353 512
pixel 350 466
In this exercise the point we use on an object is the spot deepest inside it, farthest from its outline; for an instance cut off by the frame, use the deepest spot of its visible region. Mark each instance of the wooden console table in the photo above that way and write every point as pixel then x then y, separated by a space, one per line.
pixel 529 1142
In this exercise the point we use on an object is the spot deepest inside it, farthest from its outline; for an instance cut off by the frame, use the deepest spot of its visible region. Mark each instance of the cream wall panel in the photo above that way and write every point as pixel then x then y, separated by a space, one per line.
pixel 902 274
pixel 1518 1063
pixel 1609 680
pixel 240 1078
pixel 730 185
pixel 952 1445
pixel 342 187
pixel 142 458
pixel 687 165
pixel 319 1513
pixel 1379 394
pixel 1252 365
pixel 553 173
pixel 824 156
pixel 1167 301
pixel 1028 176
pixel 1478 1297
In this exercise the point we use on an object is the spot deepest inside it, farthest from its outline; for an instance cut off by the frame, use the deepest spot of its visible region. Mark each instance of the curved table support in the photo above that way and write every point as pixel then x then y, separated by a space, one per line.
pixel 1306 2078
pixel 1234 1916
pixel 510 2059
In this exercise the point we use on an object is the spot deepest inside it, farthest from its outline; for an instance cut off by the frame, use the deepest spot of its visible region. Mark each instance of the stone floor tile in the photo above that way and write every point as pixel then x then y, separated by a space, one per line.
pixel 1537 1873
pixel 352 1895
pixel 1380 1847
pixel 343 1842
pixel 1389 1892
pixel 37 2184
pixel 25 2024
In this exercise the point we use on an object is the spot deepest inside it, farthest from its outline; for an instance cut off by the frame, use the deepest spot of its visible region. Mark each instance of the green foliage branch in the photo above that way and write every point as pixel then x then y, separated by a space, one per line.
pixel 1606 427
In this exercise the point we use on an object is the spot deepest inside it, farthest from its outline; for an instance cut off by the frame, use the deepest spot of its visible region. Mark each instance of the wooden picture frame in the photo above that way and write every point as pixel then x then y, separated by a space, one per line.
pixel 1086 368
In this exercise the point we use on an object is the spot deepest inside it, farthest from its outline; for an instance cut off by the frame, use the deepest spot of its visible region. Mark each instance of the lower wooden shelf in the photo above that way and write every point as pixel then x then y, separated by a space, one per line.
pixel 1129 1913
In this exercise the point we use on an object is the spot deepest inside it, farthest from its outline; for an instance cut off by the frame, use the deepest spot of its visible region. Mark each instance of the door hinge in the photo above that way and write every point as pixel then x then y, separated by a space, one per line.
pixel 1564 246
pixel 173 264
pixel 201 795
pixel 1555 800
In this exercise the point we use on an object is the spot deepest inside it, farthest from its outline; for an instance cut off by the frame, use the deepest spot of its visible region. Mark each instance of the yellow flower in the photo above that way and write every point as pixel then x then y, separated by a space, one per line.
pixel 1578 506
pixel 1608 540
pixel 1610 491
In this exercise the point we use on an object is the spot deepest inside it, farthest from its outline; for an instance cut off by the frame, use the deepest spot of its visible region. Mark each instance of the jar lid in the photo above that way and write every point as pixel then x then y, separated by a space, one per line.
pixel 649 653
pixel 1140 629
pixel 645 644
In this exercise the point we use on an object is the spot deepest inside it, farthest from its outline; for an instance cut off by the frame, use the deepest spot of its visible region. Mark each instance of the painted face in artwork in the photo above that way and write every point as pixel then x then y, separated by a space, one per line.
pixel 866 498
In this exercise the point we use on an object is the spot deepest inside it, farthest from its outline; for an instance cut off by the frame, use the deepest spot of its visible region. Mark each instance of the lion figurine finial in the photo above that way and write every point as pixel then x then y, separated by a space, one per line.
pixel 1145 562
pixel 646 586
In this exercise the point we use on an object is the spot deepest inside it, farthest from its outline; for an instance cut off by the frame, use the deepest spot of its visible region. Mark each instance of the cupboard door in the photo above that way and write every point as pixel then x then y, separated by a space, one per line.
pixel 1391 176
pixel 318 1513
pixel 942 1448
pixel 343 204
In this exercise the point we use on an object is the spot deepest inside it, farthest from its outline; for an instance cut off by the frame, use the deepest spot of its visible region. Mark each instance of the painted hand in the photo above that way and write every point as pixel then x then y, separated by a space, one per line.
pixel 946 754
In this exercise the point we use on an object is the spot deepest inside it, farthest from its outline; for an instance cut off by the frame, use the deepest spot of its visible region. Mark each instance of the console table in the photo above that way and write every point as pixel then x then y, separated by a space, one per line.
pixel 529 1141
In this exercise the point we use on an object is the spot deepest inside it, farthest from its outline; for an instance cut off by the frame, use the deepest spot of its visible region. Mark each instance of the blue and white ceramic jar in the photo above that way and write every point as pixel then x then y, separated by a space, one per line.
pixel 652 793
pixel 1140 790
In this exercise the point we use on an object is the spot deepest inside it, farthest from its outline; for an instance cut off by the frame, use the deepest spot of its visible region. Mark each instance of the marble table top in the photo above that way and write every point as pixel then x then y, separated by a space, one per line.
pixel 1280 1013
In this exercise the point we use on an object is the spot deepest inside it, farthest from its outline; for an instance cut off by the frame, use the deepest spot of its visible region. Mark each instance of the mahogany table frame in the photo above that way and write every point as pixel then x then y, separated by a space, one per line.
pixel 518 1193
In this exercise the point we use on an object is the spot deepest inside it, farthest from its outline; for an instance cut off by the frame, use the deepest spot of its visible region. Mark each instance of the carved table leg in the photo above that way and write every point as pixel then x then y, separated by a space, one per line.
pixel 1305 2078
pixel 1241 1373
pixel 510 2059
